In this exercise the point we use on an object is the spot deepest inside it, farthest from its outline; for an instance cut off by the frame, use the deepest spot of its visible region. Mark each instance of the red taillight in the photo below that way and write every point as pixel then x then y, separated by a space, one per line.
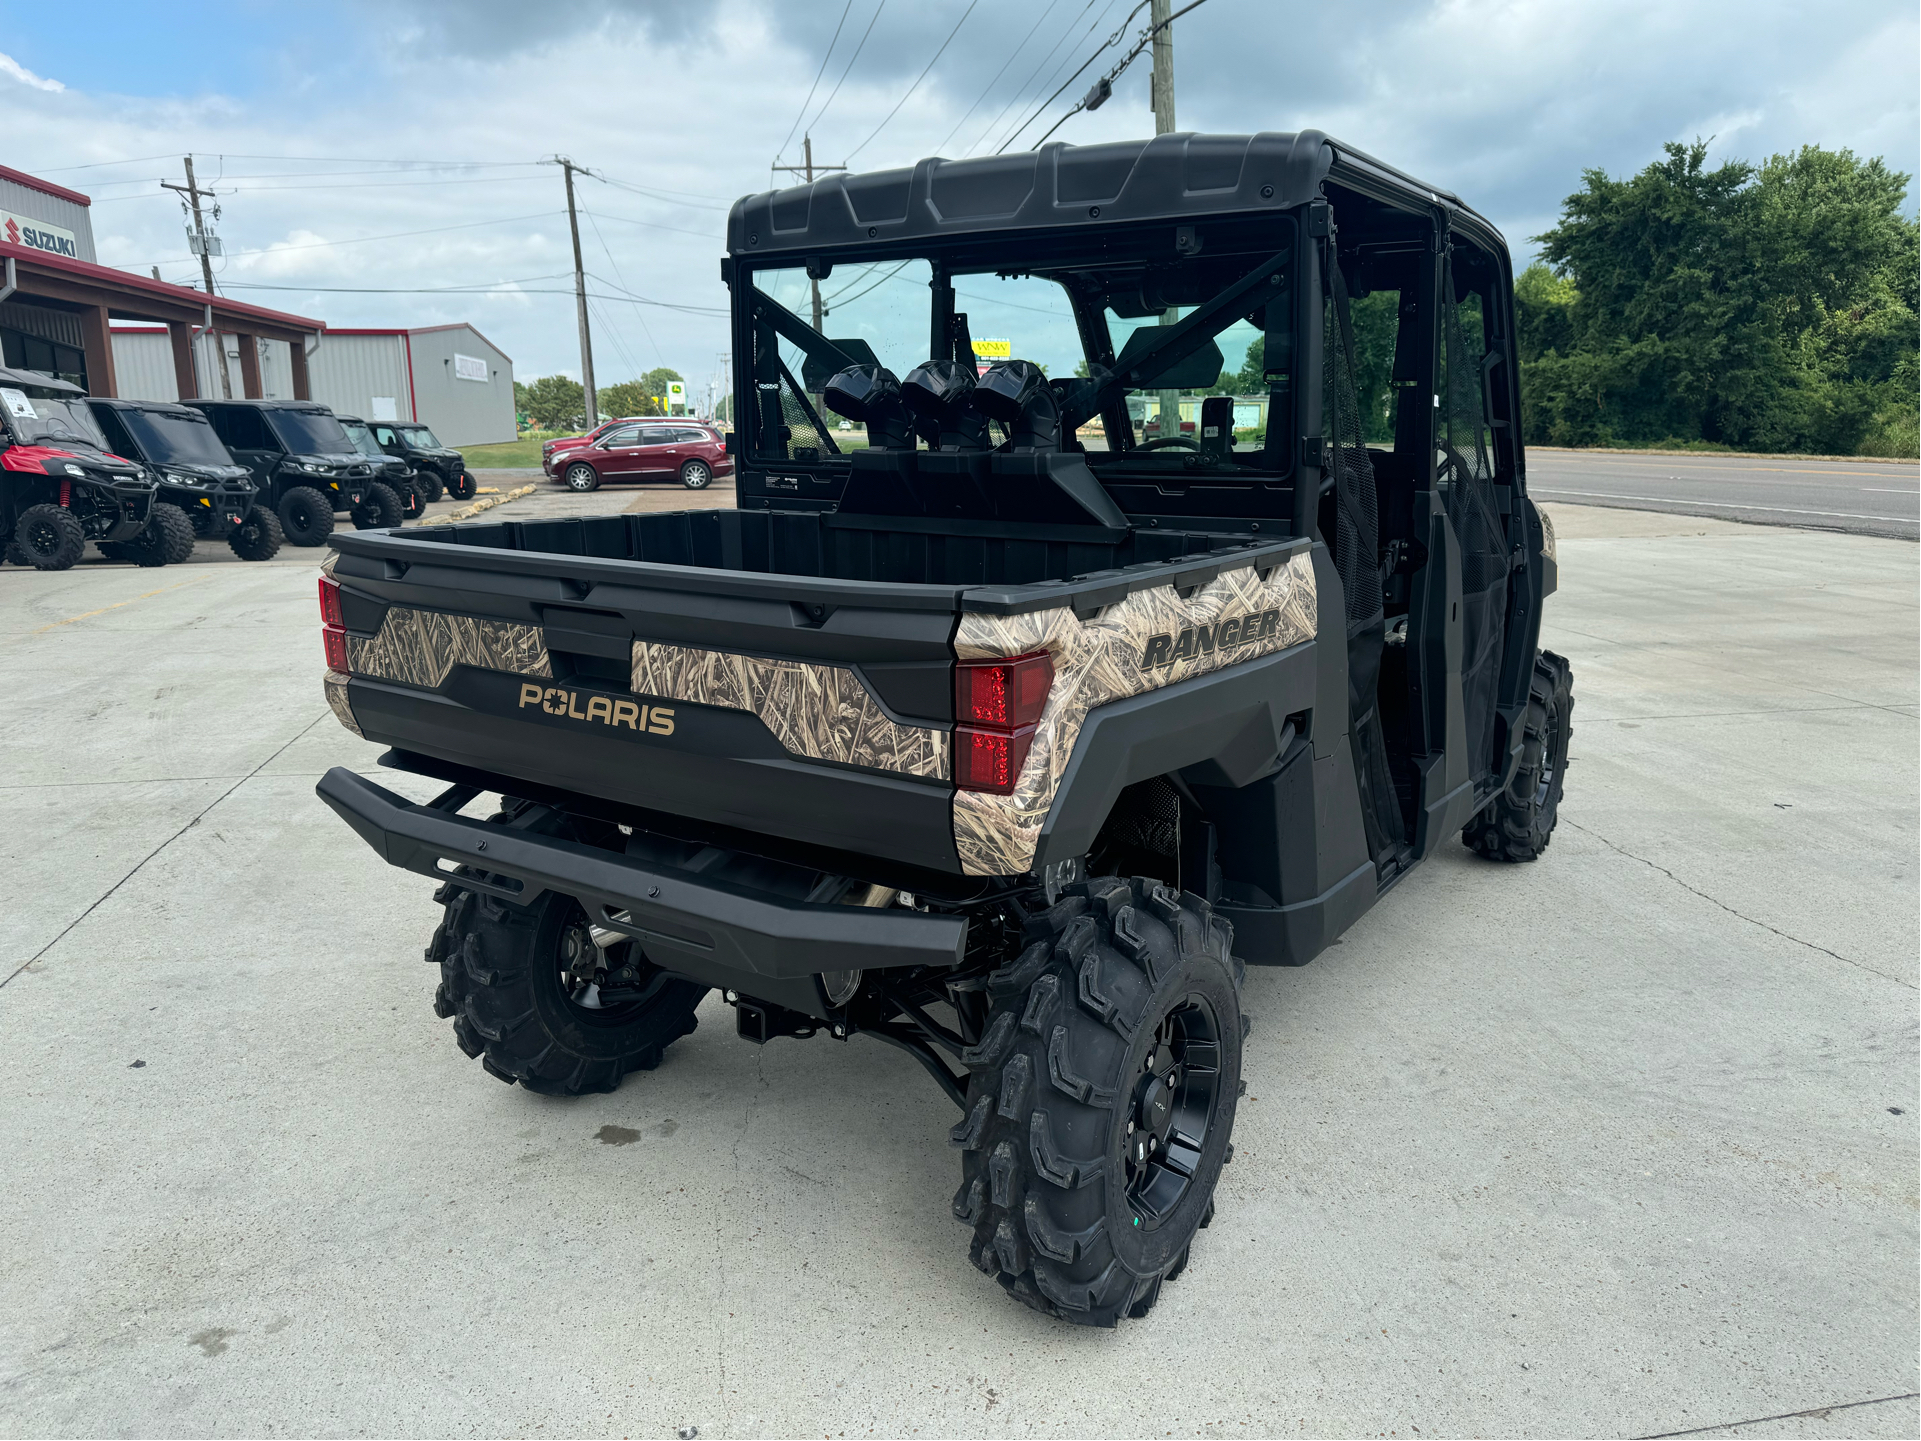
pixel 333 632
pixel 996 705
pixel 1003 693
pixel 987 760
pixel 335 641
pixel 330 601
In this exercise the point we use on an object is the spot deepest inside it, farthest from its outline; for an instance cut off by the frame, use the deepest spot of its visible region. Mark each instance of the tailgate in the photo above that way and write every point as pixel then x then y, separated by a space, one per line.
pixel 816 710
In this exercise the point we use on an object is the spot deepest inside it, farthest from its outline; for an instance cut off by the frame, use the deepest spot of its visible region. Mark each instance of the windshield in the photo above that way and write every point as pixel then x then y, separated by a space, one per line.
pixel 419 437
pixel 309 432
pixel 177 439
pixel 38 421
pixel 362 438
pixel 1160 361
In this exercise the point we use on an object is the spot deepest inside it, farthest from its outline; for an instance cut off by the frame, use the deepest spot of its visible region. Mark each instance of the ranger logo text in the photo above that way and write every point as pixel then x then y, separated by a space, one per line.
pixel 1199 640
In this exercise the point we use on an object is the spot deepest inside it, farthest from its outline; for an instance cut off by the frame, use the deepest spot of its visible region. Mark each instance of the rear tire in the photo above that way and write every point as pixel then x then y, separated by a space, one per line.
pixel 1072 1212
pixel 258 535
pixel 506 983
pixel 463 486
pixel 380 509
pixel 582 478
pixel 306 516
pixel 48 537
pixel 1518 823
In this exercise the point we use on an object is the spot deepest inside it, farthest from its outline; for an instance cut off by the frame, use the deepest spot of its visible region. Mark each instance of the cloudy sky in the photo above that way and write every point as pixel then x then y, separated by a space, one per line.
pixel 377 159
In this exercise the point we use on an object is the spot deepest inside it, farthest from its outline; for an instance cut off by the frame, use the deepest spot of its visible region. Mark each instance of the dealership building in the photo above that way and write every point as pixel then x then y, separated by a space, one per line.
pixel 115 333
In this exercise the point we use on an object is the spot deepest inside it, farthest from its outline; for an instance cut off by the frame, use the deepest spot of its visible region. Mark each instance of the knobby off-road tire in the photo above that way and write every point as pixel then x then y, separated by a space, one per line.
pixel 167 540
pixel 412 500
pixel 502 984
pixel 258 535
pixel 1068 1211
pixel 380 509
pixel 1518 824
pixel 47 537
pixel 306 516
pixel 431 486
pixel 463 486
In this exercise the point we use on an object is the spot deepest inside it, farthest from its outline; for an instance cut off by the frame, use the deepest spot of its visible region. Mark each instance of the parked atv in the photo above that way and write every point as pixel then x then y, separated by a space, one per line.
pixel 1003 749
pixel 61 485
pixel 435 465
pixel 390 470
pixel 195 473
pixel 304 465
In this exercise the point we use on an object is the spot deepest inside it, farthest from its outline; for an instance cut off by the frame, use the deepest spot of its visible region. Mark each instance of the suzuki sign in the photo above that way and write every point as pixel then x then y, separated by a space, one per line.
pixel 37 235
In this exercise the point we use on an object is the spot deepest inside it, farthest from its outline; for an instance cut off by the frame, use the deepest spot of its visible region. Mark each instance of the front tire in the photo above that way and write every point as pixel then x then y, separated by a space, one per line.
pixel 511 980
pixel 48 537
pixel 306 516
pixel 380 509
pixel 258 536
pixel 412 501
pixel 1100 1100
pixel 167 540
pixel 1518 823
pixel 697 475
pixel 463 486
pixel 582 478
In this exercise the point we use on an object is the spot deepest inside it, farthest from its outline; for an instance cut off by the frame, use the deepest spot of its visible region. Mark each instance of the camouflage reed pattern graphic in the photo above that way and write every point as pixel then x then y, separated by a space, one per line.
pixel 819 711
pixel 1123 652
pixel 343 710
pixel 421 647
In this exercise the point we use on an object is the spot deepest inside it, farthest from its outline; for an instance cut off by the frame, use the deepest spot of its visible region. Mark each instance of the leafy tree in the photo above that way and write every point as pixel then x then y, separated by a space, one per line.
pixel 556 403
pixel 628 397
pixel 1765 309
pixel 654 383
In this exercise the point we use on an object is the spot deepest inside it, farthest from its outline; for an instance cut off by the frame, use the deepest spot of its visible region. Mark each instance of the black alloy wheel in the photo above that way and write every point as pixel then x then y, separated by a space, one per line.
pixel 1176 1100
pixel 697 475
pixel 582 477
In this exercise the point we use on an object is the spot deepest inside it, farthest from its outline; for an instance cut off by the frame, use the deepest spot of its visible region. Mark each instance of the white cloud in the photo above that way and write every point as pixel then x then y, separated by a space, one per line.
pixel 10 66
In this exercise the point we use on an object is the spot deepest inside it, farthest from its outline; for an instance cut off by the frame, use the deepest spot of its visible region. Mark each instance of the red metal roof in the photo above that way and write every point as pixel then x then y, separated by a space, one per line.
pixel 134 286
pixel 45 187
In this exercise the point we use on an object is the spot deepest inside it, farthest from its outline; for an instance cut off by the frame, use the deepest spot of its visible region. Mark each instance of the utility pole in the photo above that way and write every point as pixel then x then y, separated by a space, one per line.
pixel 580 290
pixel 807 168
pixel 1161 88
pixel 205 245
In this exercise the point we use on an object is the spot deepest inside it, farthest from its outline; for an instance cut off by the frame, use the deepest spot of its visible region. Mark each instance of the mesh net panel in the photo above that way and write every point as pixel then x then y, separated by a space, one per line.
pixel 1356 546
pixel 1474 510
pixel 804 439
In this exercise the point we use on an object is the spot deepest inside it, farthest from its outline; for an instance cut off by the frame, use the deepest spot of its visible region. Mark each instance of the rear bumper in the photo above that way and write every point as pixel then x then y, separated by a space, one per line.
pixel 684 921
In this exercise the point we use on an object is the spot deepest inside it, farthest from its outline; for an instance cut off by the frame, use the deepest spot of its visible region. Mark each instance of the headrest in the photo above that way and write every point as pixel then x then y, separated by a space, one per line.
pixel 1016 393
pixel 940 395
pixel 871 394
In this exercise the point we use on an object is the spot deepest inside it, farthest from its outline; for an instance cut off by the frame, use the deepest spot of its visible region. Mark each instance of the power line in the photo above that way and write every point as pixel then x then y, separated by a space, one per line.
pixel 1040 65
pixel 1012 52
pixel 655 225
pixel 1103 86
pixel 922 76
pixel 850 64
pixel 493 289
pixel 850 299
pixel 816 85
pixel 365 239
pixel 1109 42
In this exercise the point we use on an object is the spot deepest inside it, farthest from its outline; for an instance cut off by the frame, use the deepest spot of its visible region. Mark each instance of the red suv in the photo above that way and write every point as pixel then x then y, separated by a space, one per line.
pixel 569 442
pixel 687 451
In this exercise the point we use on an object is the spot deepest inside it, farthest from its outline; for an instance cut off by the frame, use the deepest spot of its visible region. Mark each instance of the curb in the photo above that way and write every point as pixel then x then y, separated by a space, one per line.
pixel 470 511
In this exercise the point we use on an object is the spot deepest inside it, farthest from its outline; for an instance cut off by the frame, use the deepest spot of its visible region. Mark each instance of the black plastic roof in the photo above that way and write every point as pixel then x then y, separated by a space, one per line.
pixel 1170 177
pixel 34 380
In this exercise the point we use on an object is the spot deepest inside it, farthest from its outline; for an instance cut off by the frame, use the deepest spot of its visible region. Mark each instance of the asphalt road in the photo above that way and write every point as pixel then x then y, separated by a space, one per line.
pixel 1860 497
pixel 1619 1143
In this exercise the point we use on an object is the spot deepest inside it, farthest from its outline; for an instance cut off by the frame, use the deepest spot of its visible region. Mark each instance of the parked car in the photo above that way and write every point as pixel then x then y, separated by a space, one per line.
pixel 643 450
pixel 407 483
pixel 995 749
pixel 436 467
pixel 304 464
pixel 570 442
pixel 195 473
pixel 61 485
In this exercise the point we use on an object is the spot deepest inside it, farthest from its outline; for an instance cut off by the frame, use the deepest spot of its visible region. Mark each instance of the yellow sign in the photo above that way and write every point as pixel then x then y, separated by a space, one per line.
pixel 993 350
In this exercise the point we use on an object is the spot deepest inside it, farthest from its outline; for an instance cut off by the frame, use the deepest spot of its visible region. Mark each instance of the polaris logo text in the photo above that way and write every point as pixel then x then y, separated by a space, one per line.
pixel 1200 640
pixel 652 720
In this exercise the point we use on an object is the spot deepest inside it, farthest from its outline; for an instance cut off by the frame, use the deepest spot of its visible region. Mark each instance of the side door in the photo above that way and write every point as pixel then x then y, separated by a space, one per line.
pixel 245 435
pixel 660 452
pixel 388 440
pixel 619 452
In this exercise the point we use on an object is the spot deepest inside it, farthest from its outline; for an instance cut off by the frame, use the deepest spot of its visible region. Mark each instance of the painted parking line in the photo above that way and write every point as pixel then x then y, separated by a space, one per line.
pixel 88 614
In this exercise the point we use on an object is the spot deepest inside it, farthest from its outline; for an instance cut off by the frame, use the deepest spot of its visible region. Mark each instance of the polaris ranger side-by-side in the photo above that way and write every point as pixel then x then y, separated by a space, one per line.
pixel 195 473
pixel 306 468
pixel 436 467
pixel 413 487
pixel 61 486
pixel 1010 737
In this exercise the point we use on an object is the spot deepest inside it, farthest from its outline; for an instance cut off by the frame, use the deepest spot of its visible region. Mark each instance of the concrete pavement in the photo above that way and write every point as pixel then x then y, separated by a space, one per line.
pixel 1619 1143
